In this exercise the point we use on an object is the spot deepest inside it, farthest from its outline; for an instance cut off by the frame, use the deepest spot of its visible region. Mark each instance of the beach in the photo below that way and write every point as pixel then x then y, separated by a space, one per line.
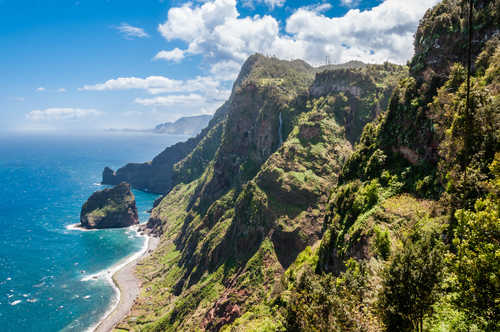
pixel 128 288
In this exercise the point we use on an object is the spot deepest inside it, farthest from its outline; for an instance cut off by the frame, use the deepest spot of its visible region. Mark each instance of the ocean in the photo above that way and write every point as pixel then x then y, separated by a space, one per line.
pixel 44 267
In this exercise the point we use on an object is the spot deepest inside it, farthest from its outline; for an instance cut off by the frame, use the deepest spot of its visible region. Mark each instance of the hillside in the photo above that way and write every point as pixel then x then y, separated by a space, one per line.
pixel 349 198
pixel 231 229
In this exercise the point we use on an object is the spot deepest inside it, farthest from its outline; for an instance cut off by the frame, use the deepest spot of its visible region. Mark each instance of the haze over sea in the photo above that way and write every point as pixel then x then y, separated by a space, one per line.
pixel 44 180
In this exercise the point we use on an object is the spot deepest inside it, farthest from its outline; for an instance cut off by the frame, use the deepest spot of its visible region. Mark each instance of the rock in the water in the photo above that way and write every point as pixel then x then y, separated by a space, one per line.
pixel 110 208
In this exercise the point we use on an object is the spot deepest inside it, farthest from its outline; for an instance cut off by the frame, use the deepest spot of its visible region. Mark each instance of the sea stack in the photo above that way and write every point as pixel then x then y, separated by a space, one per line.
pixel 110 208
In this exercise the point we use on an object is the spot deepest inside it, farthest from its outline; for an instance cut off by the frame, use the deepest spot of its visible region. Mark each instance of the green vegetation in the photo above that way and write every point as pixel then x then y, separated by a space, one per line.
pixel 379 211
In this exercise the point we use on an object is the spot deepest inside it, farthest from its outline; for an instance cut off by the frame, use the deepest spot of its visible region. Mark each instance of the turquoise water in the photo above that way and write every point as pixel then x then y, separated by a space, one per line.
pixel 43 183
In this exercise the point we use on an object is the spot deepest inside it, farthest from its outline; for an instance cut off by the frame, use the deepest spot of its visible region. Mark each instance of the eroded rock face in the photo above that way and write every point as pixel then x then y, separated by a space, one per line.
pixel 110 208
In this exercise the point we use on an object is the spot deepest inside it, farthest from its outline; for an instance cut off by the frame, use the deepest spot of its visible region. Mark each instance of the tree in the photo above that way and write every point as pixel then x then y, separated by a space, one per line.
pixel 411 282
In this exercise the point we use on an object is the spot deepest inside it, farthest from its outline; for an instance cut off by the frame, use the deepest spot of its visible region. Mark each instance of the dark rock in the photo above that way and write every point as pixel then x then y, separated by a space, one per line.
pixel 110 208
pixel 108 176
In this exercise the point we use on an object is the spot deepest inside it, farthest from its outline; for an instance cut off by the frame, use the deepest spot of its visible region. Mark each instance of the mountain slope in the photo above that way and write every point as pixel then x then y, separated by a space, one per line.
pixel 229 234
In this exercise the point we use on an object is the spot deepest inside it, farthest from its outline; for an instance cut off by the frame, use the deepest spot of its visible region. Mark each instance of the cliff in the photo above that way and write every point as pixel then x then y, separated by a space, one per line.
pixel 110 208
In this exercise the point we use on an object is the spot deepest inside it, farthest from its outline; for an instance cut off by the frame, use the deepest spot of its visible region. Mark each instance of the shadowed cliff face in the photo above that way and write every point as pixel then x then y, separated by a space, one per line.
pixel 233 227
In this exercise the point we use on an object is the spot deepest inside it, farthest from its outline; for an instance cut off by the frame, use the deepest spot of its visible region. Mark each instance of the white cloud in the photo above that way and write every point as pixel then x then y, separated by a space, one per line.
pixel 215 30
pixel 160 85
pixel 349 3
pixel 318 8
pixel 130 31
pixel 40 89
pixel 186 104
pixel 383 33
pixel 50 114
pixel 269 3
pixel 225 70
pixel 153 84
pixel 200 94
pixel 174 55
pixel 171 100
pixel 61 90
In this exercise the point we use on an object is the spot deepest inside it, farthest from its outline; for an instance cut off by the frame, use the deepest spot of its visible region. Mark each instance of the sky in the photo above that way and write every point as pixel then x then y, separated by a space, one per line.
pixel 97 64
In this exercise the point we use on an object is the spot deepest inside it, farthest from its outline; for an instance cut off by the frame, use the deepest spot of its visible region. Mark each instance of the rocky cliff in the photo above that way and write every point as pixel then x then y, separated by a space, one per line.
pixel 110 208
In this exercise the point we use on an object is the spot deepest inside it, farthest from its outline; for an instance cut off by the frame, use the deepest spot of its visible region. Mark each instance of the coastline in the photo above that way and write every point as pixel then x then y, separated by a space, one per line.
pixel 122 278
pixel 127 287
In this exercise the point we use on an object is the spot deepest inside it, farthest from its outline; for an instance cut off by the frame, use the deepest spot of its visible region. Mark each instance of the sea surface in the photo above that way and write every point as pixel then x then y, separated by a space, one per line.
pixel 44 180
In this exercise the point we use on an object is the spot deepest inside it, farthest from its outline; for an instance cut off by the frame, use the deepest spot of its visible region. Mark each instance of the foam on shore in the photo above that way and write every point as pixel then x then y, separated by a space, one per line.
pixel 109 273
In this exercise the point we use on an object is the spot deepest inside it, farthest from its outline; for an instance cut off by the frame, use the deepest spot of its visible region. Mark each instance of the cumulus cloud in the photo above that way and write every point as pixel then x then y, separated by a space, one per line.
pixel 152 84
pixel 200 94
pixel 215 30
pixel 174 55
pixel 130 31
pixel 40 89
pixel 191 104
pixel 160 85
pixel 171 100
pixel 50 114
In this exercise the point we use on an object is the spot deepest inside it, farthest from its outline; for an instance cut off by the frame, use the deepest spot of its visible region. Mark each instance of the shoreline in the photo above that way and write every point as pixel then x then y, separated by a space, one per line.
pixel 122 278
pixel 127 288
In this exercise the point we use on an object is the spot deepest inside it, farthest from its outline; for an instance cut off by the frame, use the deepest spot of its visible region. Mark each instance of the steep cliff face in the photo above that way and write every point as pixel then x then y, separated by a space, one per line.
pixel 110 208
pixel 405 150
pixel 441 40
pixel 229 234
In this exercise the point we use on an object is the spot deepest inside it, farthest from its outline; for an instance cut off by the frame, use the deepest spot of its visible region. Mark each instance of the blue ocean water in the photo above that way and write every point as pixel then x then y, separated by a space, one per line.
pixel 44 180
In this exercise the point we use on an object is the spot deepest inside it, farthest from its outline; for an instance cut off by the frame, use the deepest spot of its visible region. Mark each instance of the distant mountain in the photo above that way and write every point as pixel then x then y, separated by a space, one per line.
pixel 188 125
pixel 191 125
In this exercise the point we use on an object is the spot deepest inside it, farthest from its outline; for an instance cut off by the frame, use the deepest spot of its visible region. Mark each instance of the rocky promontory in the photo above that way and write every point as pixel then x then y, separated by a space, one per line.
pixel 110 208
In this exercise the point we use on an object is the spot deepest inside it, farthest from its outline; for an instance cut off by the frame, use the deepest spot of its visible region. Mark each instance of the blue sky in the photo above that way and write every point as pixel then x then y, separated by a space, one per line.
pixel 94 64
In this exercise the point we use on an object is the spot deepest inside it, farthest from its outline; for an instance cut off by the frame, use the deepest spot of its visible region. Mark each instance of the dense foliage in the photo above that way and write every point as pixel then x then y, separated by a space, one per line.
pixel 417 202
